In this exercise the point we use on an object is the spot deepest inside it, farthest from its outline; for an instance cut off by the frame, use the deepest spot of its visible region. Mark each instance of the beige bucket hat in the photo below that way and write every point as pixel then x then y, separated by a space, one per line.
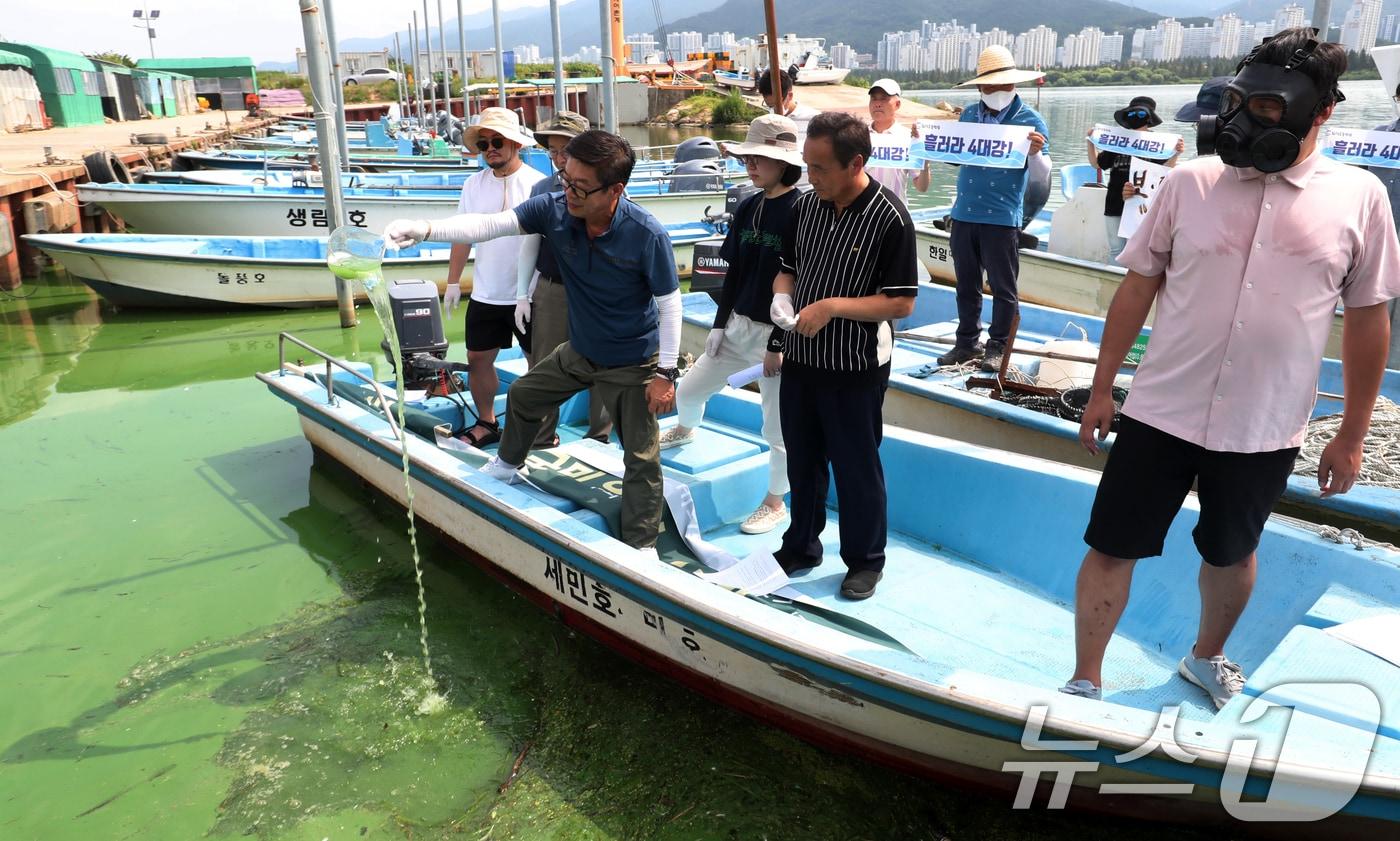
pixel 996 66
pixel 772 136
pixel 504 122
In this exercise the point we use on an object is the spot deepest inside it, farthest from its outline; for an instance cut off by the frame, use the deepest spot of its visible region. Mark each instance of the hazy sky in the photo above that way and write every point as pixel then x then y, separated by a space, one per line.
pixel 266 30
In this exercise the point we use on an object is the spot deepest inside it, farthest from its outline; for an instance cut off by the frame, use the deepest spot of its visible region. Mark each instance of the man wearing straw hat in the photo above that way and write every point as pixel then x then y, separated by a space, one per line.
pixel 546 307
pixel 503 184
pixel 985 235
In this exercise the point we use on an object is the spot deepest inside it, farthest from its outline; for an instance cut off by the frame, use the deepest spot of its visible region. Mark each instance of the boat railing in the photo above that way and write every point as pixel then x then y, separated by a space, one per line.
pixel 332 362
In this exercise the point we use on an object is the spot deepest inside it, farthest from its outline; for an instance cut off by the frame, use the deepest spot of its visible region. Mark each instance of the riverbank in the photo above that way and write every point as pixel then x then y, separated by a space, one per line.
pixel 699 110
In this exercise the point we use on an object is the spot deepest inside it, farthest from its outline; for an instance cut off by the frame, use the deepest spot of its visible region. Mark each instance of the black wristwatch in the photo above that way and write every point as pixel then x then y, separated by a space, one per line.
pixel 671 374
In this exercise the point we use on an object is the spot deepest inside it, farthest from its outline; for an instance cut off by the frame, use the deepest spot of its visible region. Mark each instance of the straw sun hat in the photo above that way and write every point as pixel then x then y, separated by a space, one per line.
pixel 771 136
pixel 504 122
pixel 996 66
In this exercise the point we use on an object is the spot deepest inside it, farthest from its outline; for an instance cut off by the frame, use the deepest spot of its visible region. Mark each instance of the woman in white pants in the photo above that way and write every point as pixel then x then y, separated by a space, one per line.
pixel 743 334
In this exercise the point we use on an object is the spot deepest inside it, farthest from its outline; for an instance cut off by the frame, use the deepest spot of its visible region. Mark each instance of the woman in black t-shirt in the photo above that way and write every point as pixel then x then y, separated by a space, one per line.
pixel 743 335
pixel 1139 115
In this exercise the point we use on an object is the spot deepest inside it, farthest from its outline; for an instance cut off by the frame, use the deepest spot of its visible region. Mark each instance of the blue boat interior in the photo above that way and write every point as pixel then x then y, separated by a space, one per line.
pixel 983 552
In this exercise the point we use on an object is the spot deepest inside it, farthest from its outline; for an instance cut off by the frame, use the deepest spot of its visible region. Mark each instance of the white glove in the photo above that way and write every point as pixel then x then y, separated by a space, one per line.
pixel 402 233
pixel 522 313
pixel 452 298
pixel 713 342
pixel 782 312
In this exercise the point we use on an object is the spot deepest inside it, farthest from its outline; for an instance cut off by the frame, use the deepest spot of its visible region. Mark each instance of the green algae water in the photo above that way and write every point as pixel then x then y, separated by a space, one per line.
pixel 366 272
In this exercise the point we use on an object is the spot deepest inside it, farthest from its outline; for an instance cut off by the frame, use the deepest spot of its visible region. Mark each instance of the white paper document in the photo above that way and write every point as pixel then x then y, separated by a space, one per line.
pixel 758 574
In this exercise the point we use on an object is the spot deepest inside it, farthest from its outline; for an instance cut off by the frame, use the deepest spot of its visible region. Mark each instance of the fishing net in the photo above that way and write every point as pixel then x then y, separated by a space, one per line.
pixel 1380 466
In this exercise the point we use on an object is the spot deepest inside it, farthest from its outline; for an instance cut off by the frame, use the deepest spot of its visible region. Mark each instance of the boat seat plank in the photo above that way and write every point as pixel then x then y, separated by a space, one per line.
pixel 710 449
pixel 1305 656
pixel 1343 604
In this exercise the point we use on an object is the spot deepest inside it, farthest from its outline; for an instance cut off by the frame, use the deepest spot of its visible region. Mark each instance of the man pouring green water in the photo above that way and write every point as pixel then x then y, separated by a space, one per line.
pixel 624 316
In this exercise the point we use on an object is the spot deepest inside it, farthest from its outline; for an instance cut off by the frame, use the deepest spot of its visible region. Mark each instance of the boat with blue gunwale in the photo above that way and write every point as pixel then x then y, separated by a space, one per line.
pixel 952 669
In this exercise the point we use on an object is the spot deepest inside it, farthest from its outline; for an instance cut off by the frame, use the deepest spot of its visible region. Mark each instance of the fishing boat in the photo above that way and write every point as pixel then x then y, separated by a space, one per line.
pixel 815 68
pixel 258 210
pixel 200 272
pixel 741 78
pixel 408 180
pixel 941 402
pixel 1069 267
pixel 952 669
pixel 293 159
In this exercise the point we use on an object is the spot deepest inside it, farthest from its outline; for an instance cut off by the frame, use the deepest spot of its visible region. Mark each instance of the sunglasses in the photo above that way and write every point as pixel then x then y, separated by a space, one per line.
pixel 493 143
pixel 578 192
pixel 1136 114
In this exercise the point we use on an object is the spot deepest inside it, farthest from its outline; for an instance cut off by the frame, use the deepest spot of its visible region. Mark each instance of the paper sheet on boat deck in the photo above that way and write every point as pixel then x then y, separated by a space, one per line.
pixel 1378 635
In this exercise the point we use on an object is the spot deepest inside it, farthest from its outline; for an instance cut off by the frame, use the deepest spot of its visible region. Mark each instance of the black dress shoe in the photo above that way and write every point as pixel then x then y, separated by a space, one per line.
pixel 958 355
pixel 860 584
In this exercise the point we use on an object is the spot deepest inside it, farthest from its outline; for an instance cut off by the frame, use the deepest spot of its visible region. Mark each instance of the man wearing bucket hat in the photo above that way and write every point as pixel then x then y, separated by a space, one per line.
pixel 546 309
pixel 884 105
pixel 985 236
pixel 502 184
pixel 743 334
pixel 1207 103
pixel 1140 114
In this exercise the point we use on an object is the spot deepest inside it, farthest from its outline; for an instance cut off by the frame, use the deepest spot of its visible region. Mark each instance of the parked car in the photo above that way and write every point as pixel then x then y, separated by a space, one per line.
pixel 372 76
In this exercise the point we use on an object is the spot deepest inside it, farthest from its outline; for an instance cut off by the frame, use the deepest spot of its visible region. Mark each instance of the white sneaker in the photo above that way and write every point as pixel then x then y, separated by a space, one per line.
pixel 673 437
pixel 1083 689
pixel 764 519
pixel 1220 678
pixel 497 469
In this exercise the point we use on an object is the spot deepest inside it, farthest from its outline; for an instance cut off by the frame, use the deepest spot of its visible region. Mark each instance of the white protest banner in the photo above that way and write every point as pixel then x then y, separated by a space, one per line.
pixel 1363 148
pixel 1141 144
pixel 1146 177
pixel 973 144
pixel 894 151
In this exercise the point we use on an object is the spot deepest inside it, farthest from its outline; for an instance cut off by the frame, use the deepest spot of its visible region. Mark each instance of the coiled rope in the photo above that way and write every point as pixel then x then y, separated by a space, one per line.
pixel 1380 466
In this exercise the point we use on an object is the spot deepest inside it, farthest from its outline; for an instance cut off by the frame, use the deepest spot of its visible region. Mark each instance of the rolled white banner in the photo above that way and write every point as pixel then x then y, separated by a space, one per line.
pixel 746 376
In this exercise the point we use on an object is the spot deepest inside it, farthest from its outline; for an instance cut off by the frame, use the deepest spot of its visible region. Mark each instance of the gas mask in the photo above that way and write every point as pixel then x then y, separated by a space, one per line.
pixel 1266 112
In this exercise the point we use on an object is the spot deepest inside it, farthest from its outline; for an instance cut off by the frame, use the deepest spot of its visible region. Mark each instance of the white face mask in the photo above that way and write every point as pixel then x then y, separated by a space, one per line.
pixel 998 100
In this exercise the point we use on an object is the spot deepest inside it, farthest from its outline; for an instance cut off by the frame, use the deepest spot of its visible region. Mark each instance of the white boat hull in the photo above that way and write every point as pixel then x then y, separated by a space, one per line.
pixel 224 214
pixel 821 76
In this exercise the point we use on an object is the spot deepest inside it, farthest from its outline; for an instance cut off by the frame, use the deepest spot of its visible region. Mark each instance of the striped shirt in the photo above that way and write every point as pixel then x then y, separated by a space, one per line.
pixel 868 249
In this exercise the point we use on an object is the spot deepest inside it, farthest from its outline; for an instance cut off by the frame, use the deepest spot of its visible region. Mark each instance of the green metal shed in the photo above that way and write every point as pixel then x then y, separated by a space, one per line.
pixel 222 81
pixel 70 84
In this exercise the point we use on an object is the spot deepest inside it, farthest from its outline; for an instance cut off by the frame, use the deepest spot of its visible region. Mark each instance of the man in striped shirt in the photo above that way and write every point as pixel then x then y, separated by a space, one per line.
pixel 847 270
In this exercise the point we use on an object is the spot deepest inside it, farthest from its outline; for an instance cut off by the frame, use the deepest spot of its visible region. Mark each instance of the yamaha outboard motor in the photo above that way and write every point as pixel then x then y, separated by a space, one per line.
pixel 1037 194
pixel 736 195
pixel 697 149
pixel 422 342
pixel 696 176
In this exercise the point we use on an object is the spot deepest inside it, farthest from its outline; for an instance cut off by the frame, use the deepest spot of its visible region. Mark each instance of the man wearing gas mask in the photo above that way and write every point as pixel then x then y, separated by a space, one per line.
pixel 1246 255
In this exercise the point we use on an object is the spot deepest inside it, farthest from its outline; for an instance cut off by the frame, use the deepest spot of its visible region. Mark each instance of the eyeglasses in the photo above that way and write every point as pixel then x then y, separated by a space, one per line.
pixel 493 143
pixel 578 192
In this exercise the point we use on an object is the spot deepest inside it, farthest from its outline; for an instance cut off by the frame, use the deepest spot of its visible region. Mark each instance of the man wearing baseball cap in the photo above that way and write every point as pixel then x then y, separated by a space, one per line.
pixel 547 309
pixel 884 105
pixel 503 183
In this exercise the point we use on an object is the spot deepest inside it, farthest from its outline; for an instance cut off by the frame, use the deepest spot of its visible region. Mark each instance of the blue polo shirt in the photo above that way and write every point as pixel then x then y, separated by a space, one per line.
pixel 987 194
pixel 613 280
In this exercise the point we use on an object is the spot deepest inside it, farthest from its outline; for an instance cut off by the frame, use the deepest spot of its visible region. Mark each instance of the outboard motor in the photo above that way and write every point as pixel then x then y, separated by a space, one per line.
pixel 422 342
pixel 696 176
pixel 707 268
pixel 444 124
pixel 1037 194
pixel 697 149
pixel 734 196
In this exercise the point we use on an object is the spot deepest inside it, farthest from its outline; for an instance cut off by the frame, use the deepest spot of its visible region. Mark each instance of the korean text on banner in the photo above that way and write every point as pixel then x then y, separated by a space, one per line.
pixel 893 152
pixel 973 144
pixel 1146 177
pixel 1363 148
pixel 1140 144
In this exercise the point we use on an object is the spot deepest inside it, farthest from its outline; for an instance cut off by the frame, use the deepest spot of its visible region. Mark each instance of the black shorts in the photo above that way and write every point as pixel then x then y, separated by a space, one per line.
pixel 1147 478
pixel 491 327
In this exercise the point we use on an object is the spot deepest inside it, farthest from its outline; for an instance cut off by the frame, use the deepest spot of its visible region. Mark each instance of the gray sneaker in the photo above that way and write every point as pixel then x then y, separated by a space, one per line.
pixel 1220 678
pixel 1083 689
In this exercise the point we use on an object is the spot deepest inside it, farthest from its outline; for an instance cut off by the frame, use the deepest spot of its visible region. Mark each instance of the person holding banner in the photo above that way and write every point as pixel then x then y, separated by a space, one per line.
pixel 1390 176
pixel 1245 255
pixel 1139 115
pixel 743 335
pixel 986 230
pixel 848 269
pixel 884 105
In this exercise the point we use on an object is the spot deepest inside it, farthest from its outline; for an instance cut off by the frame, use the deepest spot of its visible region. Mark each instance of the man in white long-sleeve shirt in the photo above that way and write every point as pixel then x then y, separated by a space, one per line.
pixel 624 315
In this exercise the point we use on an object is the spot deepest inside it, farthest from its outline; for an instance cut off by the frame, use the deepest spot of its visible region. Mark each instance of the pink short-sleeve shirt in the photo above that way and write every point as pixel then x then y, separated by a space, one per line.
pixel 1255 265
